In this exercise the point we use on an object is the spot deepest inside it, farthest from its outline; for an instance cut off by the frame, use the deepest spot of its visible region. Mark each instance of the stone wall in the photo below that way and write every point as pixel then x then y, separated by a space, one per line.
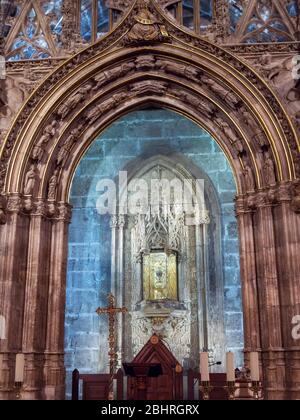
pixel 141 133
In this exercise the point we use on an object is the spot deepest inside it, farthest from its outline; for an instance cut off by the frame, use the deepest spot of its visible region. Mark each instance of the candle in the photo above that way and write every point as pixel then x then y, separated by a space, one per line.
pixel 204 368
pixel 230 369
pixel 19 372
pixel 1 369
pixel 254 366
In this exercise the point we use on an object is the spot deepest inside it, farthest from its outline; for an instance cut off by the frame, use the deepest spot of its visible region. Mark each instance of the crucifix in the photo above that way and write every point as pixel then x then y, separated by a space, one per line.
pixel 111 310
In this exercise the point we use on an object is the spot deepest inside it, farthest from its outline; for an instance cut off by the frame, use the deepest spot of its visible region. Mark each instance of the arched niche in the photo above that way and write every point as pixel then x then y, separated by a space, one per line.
pixel 137 143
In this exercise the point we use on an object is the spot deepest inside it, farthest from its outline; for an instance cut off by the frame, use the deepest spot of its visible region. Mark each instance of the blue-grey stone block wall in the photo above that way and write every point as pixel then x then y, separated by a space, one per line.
pixel 146 132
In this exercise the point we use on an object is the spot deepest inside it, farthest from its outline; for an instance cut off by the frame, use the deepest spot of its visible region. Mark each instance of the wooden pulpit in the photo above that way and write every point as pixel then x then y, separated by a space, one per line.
pixel 168 385
pixel 141 372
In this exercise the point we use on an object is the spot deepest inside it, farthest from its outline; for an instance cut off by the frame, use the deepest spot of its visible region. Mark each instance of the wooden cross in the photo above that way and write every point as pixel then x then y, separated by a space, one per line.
pixel 111 310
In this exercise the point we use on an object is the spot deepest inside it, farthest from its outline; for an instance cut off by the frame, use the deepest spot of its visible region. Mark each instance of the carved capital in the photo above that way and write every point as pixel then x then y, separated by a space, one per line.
pixel 14 203
pixel 64 212
pixel 284 192
pixel 113 221
pixel 39 208
pixel 241 205
pixel 295 204
pixel 262 199
pixel 122 221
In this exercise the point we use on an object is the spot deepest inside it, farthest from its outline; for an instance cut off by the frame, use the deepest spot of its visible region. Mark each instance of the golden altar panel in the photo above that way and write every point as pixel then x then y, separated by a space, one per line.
pixel 160 276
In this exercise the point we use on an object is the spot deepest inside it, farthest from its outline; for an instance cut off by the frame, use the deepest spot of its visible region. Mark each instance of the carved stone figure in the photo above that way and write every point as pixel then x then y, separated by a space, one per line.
pixel 66 147
pixel 30 180
pixel 227 95
pixel 48 132
pixel 92 114
pixel 260 137
pixel 149 88
pixel 71 103
pixel 269 169
pixel 248 175
pixel 271 69
pixel 146 27
pixel 246 116
pixel 181 70
pixel 52 186
pixel 110 75
pixel 112 102
pixel 239 146
pixel 145 62
pixel 227 130
pixel 200 104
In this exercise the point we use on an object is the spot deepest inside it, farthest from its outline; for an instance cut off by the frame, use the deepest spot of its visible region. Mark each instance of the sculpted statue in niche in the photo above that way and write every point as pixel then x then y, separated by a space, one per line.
pixel 66 147
pixel 180 70
pixel 112 102
pixel 230 134
pixel 48 132
pixel 110 75
pixel 248 175
pixel 246 116
pixel 30 180
pixel 269 169
pixel 52 186
pixel 71 103
pixel 204 106
pixel 97 111
pixel 146 28
pixel 225 94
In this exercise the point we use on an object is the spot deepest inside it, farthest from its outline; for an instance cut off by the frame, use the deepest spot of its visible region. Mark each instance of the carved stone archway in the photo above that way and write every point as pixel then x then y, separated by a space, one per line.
pixel 126 70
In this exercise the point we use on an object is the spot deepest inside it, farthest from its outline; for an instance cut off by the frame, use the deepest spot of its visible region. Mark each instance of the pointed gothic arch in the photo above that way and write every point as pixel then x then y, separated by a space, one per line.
pixel 122 72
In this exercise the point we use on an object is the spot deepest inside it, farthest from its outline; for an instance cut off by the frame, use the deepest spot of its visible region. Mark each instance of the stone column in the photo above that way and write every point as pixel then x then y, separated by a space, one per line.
pixel 201 286
pixel 120 288
pixel 113 226
pixel 36 299
pixel 13 260
pixel 287 230
pixel 269 299
pixel 249 277
pixel 54 370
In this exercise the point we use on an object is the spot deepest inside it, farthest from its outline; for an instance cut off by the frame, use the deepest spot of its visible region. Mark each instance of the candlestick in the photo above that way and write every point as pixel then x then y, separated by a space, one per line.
pixel 205 388
pixel 19 372
pixel 231 388
pixel 254 367
pixel 255 388
pixel 204 367
pixel 230 369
